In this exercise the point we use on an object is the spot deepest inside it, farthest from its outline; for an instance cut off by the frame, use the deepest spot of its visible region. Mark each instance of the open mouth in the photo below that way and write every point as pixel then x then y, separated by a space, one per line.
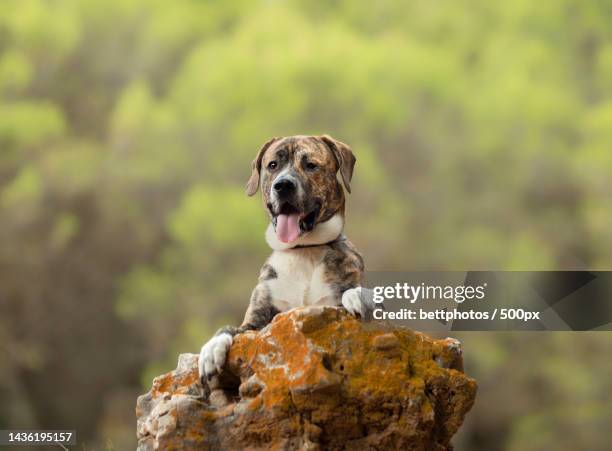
pixel 290 223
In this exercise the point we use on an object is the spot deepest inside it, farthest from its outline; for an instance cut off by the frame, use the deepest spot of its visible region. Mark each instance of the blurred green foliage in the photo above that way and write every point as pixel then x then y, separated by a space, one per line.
pixel 483 132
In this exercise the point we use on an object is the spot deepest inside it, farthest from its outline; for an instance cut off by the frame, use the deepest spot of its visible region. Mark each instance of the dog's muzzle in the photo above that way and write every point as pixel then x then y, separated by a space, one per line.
pixel 290 223
pixel 284 187
pixel 291 216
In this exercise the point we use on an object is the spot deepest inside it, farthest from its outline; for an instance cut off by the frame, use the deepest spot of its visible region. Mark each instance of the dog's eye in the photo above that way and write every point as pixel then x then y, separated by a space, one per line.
pixel 311 166
pixel 272 165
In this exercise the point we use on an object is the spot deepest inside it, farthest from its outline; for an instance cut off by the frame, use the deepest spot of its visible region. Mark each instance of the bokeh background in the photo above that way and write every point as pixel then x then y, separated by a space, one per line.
pixel 483 132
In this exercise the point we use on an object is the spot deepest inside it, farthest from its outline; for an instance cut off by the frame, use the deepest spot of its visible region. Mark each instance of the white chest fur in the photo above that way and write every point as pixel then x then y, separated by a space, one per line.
pixel 300 279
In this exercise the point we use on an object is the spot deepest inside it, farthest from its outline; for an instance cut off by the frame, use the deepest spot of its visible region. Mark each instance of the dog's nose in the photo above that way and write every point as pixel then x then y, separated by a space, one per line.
pixel 284 186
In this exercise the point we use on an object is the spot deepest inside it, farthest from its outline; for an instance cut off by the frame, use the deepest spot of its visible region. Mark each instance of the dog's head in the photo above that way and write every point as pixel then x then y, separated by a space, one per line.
pixel 298 177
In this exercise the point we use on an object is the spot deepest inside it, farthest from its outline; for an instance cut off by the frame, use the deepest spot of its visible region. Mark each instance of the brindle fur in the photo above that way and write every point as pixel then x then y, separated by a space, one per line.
pixel 343 265
pixel 321 185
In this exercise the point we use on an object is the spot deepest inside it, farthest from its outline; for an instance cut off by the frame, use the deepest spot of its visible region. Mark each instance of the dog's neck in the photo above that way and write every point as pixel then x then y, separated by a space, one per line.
pixel 323 233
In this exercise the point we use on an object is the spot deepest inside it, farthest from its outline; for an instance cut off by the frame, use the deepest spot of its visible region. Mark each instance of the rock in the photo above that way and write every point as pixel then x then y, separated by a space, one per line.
pixel 315 378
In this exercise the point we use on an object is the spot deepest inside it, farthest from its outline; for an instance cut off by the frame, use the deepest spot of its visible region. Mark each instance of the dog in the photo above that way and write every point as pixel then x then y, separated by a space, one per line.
pixel 312 263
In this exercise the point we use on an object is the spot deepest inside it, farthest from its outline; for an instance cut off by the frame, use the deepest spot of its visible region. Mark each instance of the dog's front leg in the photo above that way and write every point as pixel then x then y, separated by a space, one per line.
pixel 214 352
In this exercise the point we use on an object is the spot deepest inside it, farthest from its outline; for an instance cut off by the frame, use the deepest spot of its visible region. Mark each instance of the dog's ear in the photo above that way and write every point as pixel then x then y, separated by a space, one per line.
pixel 344 156
pixel 253 183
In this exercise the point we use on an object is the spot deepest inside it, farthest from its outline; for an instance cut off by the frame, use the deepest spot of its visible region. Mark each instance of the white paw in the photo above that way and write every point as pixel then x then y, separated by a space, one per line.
pixel 353 302
pixel 213 355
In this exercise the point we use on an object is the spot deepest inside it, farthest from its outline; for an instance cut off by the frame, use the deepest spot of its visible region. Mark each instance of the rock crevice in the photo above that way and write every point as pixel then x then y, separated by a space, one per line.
pixel 315 378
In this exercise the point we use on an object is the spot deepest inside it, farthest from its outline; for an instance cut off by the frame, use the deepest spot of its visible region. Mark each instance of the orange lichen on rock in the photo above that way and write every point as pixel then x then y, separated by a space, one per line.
pixel 314 378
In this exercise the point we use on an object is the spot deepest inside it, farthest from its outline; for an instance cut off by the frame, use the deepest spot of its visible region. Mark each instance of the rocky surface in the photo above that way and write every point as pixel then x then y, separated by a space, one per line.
pixel 315 378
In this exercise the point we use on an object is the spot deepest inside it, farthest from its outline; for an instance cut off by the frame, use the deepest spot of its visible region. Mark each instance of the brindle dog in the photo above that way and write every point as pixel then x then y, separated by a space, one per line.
pixel 312 262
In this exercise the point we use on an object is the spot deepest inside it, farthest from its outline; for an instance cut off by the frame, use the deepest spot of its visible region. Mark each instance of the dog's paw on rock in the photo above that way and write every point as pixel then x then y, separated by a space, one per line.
pixel 314 378
pixel 212 356
pixel 356 301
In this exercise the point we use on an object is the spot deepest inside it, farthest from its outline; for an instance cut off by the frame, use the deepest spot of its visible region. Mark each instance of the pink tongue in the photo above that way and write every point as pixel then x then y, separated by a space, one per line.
pixel 287 227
